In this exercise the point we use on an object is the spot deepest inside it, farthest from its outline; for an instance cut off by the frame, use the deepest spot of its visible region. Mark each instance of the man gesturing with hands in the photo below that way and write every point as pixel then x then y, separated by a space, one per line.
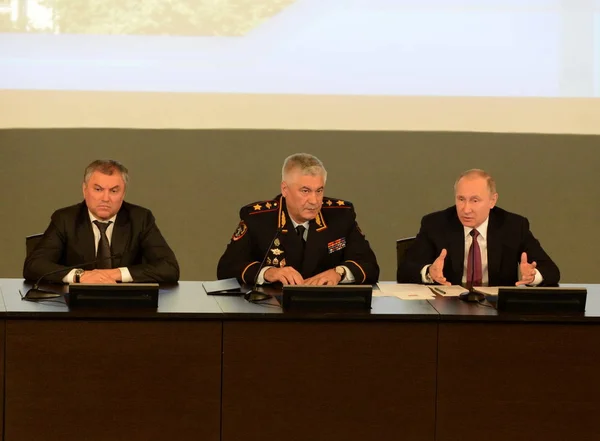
pixel 476 243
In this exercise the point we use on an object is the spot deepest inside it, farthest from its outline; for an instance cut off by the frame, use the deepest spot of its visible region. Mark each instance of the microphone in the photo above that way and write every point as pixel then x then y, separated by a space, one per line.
pixel 471 296
pixel 37 293
pixel 254 295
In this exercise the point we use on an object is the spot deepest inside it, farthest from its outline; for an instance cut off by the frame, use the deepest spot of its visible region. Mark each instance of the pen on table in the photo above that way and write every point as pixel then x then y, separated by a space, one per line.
pixel 439 291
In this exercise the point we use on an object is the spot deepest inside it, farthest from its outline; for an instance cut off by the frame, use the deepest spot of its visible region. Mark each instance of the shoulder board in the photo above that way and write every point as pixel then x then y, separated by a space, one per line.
pixel 262 206
pixel 336 203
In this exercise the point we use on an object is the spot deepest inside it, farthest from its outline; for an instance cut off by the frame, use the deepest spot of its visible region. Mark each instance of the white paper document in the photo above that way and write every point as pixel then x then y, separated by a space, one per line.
pixel 448 291
pixel 404 291
pixel 488 290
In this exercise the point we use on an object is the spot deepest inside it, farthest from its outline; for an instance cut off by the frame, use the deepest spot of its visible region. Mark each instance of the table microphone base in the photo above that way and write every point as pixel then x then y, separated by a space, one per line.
pixel 472 297
pixel 40 294
pixel 255 295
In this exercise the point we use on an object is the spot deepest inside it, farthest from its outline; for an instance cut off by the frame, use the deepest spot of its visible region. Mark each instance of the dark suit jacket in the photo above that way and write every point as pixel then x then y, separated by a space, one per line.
pixel 508 236
pixel 69 240
pixel 333 239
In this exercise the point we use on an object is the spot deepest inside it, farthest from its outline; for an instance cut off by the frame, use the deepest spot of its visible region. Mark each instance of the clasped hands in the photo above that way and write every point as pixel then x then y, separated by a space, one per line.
pixel 289 276
pixel 527 270
pixel 101 276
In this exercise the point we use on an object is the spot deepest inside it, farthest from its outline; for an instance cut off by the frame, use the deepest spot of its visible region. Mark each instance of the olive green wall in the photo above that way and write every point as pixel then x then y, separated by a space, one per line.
pixel 196 181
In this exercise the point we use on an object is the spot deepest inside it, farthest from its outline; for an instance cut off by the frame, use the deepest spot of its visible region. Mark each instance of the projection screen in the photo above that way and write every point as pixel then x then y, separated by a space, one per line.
pixel 485 65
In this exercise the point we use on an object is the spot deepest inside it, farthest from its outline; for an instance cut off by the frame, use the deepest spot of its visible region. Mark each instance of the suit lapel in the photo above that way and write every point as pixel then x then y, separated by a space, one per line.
pixel 313 248
pixel 120 236
pixel 85 235
pixel 456 249
pixel 291 248
pixel 290 242
pixel 494 248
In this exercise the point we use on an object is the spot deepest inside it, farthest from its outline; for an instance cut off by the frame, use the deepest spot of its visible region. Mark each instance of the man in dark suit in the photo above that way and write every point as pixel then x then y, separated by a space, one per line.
pixel 477 243
pixel 315 240
pixel 122 238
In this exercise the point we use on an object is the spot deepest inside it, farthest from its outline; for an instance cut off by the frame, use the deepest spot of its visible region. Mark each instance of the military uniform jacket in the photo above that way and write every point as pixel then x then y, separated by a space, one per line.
pixel 333 239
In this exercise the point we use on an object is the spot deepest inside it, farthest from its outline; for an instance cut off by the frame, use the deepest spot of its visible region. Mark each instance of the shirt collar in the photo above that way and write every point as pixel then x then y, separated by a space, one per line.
pixel 94 218
pixel 295 224
pixel 481 229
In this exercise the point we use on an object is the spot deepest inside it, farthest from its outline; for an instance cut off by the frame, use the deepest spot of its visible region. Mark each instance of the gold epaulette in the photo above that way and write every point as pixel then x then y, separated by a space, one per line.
pixel 336 203
pixel 263 206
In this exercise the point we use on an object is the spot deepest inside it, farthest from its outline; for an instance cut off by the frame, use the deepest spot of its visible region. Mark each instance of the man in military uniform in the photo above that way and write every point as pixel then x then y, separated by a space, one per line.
pixel 306 237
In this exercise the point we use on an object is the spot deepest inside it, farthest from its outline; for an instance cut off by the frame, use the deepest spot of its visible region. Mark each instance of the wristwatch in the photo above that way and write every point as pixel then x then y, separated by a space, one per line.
pixel 341 271
pixel 78 273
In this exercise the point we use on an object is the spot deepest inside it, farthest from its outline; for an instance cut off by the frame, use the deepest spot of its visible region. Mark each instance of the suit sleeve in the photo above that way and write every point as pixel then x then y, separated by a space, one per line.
pixel 238 261
pixel 159 264
pixel 46 256
pixel 545 265
pixel 359 257
pixel 422 252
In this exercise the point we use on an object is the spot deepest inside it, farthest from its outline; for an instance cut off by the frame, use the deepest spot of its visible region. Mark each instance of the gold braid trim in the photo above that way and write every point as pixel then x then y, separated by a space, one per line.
pixel 360 268
pixel 248 266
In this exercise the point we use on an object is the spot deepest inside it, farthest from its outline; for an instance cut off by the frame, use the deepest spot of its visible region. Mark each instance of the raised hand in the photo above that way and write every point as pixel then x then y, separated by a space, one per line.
pixel 527 271
pixel 436 270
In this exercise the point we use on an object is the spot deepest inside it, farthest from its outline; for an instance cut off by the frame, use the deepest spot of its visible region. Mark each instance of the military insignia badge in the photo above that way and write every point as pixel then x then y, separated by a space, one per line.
pixel 282 263
pixel 336 245
pixel 282 220
pixel 276 251
pixel 241 229
pixel 275 261
pixel 276 242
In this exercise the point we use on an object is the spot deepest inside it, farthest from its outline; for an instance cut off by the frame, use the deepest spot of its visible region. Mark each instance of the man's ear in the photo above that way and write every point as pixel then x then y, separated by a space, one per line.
pixel 284 188
pixel 494 200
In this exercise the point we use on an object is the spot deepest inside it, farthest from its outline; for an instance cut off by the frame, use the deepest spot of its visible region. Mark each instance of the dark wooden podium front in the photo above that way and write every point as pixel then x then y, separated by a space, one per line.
pixel 100 375
pixel 520 378
pixel 220 368
pixel 333 377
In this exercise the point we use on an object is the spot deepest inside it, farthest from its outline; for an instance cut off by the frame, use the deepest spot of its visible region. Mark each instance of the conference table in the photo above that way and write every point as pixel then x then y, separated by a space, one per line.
pixel 220 368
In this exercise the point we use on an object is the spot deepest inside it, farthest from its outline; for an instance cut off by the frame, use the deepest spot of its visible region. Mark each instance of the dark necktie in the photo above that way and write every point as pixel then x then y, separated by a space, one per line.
pixel 474 275
pixel 103 253
pixel 300 230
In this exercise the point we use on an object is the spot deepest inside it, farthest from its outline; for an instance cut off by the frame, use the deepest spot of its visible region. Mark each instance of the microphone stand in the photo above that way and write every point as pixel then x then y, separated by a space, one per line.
pixel 254 295
pixel 37 293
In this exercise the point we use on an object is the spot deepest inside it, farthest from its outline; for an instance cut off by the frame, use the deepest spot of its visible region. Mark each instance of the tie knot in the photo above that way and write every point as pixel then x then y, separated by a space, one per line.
pixel 102 226
pixel 300 230
pixel 474 233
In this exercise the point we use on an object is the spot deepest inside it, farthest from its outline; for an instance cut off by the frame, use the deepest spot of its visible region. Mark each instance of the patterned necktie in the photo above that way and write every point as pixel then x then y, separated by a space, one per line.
pixel 103 254
pixel 474 276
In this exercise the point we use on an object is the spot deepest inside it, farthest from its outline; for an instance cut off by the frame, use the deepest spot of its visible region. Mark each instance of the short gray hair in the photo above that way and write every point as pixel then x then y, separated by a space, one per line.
pixel 477 172
pixel 306 163
pixel 106 167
